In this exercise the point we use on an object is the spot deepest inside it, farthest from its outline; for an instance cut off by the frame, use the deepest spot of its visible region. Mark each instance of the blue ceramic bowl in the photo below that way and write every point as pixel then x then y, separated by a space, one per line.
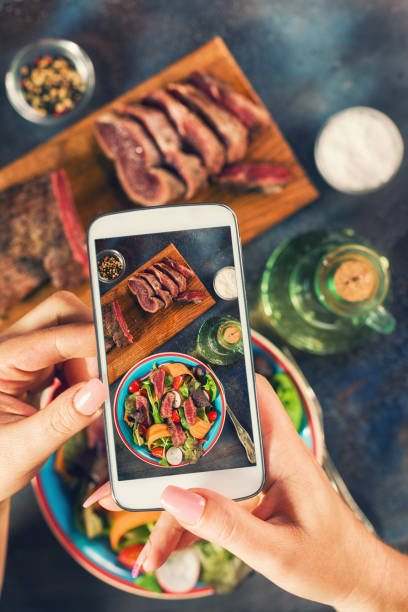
pixel 96 556
pixel 141 370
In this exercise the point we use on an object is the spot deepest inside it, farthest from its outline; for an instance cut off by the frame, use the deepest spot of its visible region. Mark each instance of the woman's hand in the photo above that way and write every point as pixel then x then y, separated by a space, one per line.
pixel 56 338
pixel 298 533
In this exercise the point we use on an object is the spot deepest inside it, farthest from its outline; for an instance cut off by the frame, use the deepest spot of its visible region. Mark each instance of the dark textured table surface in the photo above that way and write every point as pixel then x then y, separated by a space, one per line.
pixel 306 60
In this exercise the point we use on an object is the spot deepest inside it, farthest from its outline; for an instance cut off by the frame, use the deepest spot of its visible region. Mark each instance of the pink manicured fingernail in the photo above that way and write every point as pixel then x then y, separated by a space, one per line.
pixel 90 397
pixel 101 492
pixel 185 506
pixel 144 553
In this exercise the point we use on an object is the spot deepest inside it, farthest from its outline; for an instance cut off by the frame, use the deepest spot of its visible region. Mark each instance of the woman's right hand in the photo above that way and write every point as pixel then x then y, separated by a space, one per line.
pixel 299 533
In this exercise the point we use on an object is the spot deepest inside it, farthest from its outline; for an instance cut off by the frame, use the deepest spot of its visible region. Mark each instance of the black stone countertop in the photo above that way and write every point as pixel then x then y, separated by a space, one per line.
pixel 306 60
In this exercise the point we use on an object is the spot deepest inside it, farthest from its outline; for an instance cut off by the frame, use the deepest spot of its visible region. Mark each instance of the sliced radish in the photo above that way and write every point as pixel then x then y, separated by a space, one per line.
pixel 174 455
pixel 179 574
pixel 177 399
pixel 207 395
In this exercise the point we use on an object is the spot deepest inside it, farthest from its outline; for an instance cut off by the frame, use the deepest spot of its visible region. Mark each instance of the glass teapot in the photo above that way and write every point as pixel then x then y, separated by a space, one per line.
pixel 325 291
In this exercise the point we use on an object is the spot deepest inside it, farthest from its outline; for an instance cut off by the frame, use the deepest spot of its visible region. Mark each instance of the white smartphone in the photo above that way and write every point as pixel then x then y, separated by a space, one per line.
pixel 174 347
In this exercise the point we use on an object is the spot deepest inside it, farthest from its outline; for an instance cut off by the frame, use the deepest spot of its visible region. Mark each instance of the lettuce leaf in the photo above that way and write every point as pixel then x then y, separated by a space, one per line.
pixel 211 387
pixel 192 448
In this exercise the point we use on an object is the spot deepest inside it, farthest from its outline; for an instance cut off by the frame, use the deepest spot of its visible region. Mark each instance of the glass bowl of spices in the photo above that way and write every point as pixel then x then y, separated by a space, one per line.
pixel 359 150
pixel 111 265
pixel 50 81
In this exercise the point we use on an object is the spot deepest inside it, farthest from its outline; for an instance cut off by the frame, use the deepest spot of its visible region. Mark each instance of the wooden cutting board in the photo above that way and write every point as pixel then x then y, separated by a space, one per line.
pixel 150 331
pixel 96 189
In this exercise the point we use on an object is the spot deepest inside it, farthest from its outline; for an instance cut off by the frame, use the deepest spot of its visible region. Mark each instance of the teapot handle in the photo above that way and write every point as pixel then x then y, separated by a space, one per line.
pixel 380 320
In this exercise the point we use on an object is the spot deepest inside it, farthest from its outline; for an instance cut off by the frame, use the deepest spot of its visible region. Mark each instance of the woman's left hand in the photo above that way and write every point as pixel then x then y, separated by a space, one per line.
pixel 56 338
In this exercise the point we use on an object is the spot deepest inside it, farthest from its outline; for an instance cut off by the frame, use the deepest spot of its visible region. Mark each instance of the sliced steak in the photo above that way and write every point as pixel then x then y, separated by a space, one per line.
pixel 177 434
pixel 230 130
pixel 137 410
pixel 134 154
pixel 109 343
pixel 157 288
pixel 253 116
pixel 164 280
pixel 178 278
pixel 167 405
pixel 114 325
pixel 144 294
pixel 194 131
pixel 189 167
pixel 254 176
pixel 190 411
pixel 190 297
pixel 157 378
pixel 200 399
pixel 114 134
pixel 41 238
pixel 184 270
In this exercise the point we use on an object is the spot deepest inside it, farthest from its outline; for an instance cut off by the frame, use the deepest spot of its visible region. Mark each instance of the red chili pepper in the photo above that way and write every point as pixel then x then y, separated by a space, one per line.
pixel 143 392
pixel 212 415
pixel 178 381
pixel 142 430
pixel 134 386
pixel 158 452
pixel 47 59
pixel 175 417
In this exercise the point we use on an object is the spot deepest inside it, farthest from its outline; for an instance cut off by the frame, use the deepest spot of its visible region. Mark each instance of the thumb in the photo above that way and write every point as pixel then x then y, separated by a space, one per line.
pixel 220 520
pixel 44 432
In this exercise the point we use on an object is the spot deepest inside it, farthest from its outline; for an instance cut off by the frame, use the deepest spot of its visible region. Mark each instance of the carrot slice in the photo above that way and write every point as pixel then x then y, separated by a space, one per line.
pixel 159 430
pixel 124 521
pixel 176 369
pixel 200 428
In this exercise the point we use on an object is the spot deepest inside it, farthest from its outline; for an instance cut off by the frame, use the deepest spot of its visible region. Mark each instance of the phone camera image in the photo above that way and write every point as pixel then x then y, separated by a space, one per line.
pixel 173 344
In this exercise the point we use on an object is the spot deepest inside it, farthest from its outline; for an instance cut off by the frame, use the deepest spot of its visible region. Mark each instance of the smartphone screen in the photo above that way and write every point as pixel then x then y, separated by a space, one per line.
pixel 175 350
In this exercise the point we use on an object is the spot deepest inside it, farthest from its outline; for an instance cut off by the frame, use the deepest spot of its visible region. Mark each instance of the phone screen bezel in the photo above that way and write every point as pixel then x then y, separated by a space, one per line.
pixel 236 483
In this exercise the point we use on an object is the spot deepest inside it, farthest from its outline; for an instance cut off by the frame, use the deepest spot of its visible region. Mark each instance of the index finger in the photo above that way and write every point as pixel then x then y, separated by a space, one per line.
pixel 60 308
pixel 46 347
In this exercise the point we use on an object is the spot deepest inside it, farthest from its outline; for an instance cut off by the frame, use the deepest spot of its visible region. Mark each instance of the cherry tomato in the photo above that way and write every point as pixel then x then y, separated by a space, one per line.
pixel 175 417
pixel 134 386
pixel 178 381
pixel 142 430
pixel 128 555
pixel 158 452
pixel 143 392
pixel 212 415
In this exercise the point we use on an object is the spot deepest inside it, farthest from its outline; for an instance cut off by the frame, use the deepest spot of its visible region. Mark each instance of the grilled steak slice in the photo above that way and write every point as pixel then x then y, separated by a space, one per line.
pixel 230 130
pixel 134 154
pixel 167 405
pixel 114 325
pixel 109 343
pixel 178 278
pixel 144 294
pixel 177 434
pixel 253 116
pixel 190 297
pixel 164 280
pixel 192 130
pixel 157 288
pixel 41 238
pixel 200 399
pixel 189 167
pixel 190 411
pixel 137 409
pixel 186 272
pixel 254 176
pixel 157 378
pixel 114 134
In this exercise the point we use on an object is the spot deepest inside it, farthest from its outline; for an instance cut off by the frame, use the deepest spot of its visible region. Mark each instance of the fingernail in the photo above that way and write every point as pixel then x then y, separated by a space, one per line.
pixel 100 492
pixel 90 397
pixel 144 553
pixel 185 506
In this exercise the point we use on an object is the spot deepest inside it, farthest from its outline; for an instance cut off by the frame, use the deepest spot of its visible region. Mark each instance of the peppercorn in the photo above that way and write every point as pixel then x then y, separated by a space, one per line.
pixel 110 267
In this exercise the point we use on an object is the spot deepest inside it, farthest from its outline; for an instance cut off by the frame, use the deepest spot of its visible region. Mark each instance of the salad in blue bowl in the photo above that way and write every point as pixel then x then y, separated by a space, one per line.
pixel 169 409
